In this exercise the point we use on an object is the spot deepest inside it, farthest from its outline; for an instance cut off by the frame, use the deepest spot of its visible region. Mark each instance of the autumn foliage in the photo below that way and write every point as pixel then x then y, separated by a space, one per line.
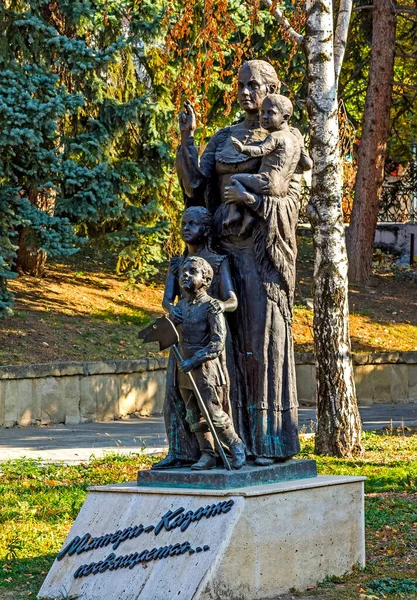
pixel 207 41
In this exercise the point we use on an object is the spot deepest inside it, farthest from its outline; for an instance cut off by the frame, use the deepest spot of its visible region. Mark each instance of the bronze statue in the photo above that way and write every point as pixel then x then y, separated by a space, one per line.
pixel 202 333
pixel 262 253
pixel 196 232
pixel 280 153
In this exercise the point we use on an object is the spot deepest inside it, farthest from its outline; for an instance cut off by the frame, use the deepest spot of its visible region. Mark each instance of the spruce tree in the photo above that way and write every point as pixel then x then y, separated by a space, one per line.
pixel 82 132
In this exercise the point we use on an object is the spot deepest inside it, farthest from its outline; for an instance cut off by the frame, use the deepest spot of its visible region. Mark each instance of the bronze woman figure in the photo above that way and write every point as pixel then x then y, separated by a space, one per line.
pixel 262 256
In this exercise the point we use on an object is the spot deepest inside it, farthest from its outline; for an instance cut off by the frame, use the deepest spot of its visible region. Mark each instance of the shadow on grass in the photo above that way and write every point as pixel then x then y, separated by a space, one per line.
pixel 23 577
pixel 39 336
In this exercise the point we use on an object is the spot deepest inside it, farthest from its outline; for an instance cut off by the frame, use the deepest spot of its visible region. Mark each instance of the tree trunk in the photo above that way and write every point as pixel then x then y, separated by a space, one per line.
pixel 372 148
pixel 29 259
pixel 339 424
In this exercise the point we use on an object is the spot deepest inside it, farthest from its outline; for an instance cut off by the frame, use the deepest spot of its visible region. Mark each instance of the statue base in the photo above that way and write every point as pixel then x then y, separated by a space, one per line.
pixel 255 542
pixel 222 479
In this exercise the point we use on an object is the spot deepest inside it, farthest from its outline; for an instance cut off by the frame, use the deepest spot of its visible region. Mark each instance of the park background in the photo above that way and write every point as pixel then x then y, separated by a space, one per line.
pixel 89 216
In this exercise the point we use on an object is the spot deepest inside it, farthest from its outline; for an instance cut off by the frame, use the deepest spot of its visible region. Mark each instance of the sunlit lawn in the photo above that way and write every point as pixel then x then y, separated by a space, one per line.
pixel 39 504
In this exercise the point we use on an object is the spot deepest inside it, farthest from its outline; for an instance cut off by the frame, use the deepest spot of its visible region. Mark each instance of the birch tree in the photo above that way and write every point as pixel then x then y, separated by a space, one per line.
pixel 339 424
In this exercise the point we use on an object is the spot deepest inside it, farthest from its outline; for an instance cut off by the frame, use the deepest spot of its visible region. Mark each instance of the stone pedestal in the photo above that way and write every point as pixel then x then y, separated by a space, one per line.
pixel 220 479
pixel 210 544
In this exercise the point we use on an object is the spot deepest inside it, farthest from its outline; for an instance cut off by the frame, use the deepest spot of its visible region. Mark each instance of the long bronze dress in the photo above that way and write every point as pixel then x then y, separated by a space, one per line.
pixel 262 260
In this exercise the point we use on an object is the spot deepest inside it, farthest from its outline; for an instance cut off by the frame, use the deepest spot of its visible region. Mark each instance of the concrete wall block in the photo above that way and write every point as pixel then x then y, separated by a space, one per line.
pixel 399 384
pixel 384 358
pixel 388 237
pixel 72 400
pixel 382 383
pixel 365 383
pixel 88 399
pixel 306 383
pixel 153 364
pixel 108 393
pixel 11 404
pixel 71 368
pixel 128 395
pixel 36 401
pixel 409 357
pixel 16 407
pixel 150 393
pixel 304 358
pixel 2 403
pixel 99 367
pixel 132 366
pixel 25 412
pixel 395 237
pixel 412 383
pixel 159 396
pixel 51 390
pixel 163 362
pixel 360 358
pixel 404 237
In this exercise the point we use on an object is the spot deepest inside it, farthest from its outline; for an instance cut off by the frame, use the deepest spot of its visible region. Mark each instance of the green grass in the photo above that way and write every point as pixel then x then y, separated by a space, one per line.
pixel 39 504
pixel 389 462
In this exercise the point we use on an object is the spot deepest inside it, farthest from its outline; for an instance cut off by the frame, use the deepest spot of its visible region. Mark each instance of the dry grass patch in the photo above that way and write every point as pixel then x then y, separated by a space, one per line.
pixel 81 311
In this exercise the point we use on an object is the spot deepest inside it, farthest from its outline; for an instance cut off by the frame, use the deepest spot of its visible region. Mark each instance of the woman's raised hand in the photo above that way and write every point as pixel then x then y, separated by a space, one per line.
pixel 187 120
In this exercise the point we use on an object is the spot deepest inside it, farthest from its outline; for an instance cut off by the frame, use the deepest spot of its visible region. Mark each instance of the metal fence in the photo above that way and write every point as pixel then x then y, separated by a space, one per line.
pixel 398 201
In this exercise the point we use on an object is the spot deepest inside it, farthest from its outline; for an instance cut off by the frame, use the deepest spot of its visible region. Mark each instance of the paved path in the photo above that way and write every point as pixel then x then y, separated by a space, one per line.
pixel 78 442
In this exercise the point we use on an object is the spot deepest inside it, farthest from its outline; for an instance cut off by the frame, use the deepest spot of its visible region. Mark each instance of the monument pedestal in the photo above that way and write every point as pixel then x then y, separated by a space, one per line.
pixel 161 543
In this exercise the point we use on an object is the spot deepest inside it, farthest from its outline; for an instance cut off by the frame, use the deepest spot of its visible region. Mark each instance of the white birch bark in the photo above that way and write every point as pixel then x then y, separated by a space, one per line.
pixel 339 426
pixel 340 36
pixel 339 423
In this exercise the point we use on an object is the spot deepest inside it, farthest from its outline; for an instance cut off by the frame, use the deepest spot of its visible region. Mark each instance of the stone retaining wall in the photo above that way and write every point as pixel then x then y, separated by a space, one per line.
pixel 396 238
pixel 74 393
pixel 382 378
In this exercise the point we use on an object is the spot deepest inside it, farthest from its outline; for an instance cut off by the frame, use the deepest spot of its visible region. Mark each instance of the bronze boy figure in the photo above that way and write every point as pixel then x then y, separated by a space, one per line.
pixel 202 338
pixel 196 232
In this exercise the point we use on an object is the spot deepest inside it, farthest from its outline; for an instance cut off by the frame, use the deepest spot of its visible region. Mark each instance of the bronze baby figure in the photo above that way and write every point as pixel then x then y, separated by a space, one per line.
pixel 282 152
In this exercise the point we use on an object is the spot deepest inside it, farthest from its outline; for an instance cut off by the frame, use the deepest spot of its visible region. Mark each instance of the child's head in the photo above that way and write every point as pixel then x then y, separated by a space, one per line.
pixel 196 225
pixel 275 110
pixel 195 274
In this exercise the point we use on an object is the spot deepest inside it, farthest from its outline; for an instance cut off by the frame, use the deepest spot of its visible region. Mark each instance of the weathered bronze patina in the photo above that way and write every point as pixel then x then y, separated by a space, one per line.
pixel 258 237
pixel 242 198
